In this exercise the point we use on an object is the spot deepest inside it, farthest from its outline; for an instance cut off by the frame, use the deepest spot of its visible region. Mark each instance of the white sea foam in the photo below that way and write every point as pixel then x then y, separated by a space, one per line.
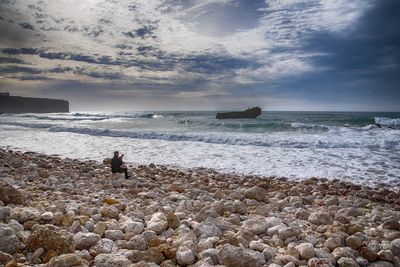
pixel 387 121
pixel 364 153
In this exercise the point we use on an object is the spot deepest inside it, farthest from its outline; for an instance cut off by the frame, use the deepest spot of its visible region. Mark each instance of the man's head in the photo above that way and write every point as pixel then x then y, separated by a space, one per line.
pixel 116 153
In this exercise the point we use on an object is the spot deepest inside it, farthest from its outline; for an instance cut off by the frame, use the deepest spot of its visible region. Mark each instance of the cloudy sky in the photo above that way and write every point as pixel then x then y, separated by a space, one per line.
pixel 203 54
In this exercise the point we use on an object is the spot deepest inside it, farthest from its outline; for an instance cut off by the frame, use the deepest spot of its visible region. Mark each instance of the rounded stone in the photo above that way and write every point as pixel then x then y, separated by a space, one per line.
pixel 306 251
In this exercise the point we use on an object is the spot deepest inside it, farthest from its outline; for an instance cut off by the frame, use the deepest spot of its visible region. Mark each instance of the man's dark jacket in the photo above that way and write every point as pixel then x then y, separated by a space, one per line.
pixel 116 164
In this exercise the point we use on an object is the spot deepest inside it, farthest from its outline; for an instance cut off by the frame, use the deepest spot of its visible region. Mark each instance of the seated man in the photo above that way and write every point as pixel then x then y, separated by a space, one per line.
pixel 116 164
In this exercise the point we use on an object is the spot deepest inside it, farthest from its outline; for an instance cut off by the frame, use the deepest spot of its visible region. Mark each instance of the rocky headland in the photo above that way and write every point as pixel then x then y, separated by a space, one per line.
pixel 66 212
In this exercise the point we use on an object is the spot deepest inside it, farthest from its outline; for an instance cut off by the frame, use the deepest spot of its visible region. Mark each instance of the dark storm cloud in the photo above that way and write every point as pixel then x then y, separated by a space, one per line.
pixel 18 69
pixel 26 25
pixel 11 60
pixel 143 32
pixel 363 64
pixel 202 63
pixel 371 48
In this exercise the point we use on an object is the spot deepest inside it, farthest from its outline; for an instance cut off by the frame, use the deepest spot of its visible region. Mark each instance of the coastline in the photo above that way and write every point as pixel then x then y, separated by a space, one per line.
pixel 71 211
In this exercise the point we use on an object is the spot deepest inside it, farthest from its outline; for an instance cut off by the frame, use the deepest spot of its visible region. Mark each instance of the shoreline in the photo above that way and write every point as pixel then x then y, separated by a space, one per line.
pixel 72 211
pixel 389 185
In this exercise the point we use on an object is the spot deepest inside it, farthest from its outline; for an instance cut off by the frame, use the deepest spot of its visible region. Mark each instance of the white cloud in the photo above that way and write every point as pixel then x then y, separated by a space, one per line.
pixel 97 27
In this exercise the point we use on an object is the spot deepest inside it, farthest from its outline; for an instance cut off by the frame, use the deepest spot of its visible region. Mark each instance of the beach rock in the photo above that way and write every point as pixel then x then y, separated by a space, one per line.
pixel 9 242
pixel 347 262
pixel 25 214
pixel 232 256
pixel 173 221
pixel 5 213
pixel 256 226
pixel 350 211
pixel 269 253
pixel 104 246
pixel 36 255
pixel 256 192
pixel 332 243
pixel 86 240
pixel 110 201
pixel 207 229
pixel 138 242
pixel 106 260
pixel 210 253
pixel 285 259
pixel 292 250
pixel 374 246
pixel 43 173
pixel 386 255
pixel 109 212
pixel 5 258
pixel 185 255
pixel 150 255
pixel 158 222
pixel 395 247
pixel 133 227
pixel 320 218
pixel 343 252
pixel 100 228
pixel 107 161
pixel 47 216
pixel 10 195
pixel 306 251
pixel 362 262
pixel 65 260
pixel 392 224
pixel 16 226
pixel 368 254
pixel 51 238
pixel 354 242
pixel 114 234
pixel 319 262
pixel 381 264
pixel 257 245
pixel 302 214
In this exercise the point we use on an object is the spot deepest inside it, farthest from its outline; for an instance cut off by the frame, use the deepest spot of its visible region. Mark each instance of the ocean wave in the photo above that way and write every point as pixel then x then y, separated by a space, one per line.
pixel 308 127
pixel 242 139
pixel 121 116
pixel 28 125
pixel 387 121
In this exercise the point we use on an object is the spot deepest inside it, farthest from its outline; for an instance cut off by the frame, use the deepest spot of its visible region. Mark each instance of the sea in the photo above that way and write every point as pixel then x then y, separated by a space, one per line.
pixel 362 148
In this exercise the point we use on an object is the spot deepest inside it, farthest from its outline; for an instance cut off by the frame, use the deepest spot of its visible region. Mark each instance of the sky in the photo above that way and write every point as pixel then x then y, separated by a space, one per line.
pixel 334 55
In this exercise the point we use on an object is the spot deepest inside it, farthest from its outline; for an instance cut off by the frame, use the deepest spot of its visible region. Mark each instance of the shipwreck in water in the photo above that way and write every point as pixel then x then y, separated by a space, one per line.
pixel 19 104
pixel 250 113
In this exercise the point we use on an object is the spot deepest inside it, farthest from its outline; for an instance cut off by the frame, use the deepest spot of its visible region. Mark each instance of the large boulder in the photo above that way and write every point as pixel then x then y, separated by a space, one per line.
pixel 306 251
pixel 104 246
pixel 106 260
pixel 86 240
pixel 9 242
pixel 109 212
pixel 256 192
pixel 186 254
pixel 10 195
pixel 320 218
pixel 395 247
pixel 232 256
pixel 207 229
pixel 25 214
pixel 65 260
pixel 5 258
pixel 256 225
pixel 158 222
pixel 51 239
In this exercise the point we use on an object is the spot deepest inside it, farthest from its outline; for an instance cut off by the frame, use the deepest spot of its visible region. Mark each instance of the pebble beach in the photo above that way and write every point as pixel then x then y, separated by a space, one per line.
pixel 66 212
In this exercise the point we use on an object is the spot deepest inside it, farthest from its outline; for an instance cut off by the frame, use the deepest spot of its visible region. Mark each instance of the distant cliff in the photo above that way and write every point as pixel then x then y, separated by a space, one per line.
pixel 19 104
